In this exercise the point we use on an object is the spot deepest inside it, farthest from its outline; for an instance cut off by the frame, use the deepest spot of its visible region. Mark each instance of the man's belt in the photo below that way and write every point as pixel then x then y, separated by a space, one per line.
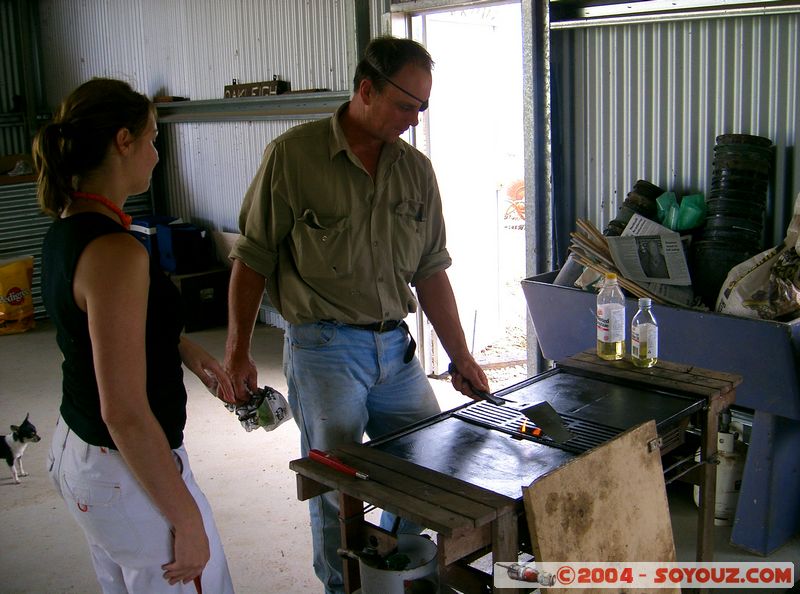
pixel 380 327
pixel 388 326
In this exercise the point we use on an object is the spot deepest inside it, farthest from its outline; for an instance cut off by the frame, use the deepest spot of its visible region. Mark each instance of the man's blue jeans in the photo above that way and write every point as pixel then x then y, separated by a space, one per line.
pixel 344 382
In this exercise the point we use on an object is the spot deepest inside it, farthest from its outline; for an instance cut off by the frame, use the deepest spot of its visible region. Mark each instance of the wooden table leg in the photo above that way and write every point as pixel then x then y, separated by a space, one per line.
pixel 708 485
pixel 351 522
pixel 505 545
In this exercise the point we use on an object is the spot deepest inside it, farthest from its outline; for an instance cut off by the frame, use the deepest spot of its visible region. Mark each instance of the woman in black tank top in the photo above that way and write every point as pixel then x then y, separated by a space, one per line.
pixel 118 324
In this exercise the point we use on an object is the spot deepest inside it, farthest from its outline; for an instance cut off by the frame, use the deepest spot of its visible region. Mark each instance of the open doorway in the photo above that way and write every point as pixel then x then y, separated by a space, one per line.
pixel 473 134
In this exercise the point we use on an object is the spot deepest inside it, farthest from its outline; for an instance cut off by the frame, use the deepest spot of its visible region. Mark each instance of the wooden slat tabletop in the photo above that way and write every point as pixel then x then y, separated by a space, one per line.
pixel 676 377
pixel 418 510
pixel 472 496
pixel 439 502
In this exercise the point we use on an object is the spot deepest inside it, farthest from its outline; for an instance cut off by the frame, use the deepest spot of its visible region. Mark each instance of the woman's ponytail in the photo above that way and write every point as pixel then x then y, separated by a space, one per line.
pixel 53 177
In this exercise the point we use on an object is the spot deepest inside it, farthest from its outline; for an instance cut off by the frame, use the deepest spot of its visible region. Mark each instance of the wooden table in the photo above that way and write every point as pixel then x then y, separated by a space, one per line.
pixel 465 517
pixel 719 391
pixel 419 473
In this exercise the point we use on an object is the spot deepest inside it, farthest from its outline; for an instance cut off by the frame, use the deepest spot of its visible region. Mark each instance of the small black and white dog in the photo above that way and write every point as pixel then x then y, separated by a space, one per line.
pixel 13 446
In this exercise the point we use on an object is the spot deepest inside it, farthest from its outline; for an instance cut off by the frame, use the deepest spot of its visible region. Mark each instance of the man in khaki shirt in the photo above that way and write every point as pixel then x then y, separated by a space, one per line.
pixel 341 218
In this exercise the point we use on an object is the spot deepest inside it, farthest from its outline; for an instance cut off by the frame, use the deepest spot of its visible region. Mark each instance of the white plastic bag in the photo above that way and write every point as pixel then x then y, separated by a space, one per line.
pixel 267 408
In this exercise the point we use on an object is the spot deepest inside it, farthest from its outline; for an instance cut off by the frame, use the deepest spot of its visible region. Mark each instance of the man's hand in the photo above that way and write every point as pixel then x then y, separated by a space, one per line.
pixel 245 291
pixel 467 377
pixel 243 374
pixel 439 304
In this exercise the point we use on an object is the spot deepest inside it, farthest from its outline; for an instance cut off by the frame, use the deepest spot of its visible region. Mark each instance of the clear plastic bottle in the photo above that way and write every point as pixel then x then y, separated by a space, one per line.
pixel 610 320
pixel 644 336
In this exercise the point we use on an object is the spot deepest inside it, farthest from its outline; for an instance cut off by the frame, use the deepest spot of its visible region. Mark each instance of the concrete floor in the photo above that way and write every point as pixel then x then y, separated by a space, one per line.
pixel 245 476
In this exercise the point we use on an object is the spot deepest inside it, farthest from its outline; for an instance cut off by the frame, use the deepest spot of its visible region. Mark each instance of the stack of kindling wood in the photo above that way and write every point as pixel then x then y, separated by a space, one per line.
pixel 590 249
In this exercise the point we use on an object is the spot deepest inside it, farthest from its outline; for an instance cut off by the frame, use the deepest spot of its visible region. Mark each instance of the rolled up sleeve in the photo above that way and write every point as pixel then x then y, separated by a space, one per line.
pixel 435 256
pixel 264 219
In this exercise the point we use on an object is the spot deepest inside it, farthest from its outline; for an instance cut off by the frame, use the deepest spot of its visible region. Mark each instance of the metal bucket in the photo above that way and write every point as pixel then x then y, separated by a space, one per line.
pixel 421 576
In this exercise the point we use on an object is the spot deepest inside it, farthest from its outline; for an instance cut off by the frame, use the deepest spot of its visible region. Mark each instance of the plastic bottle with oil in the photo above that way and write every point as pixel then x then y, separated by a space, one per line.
pixel 610 320
pixel 644 335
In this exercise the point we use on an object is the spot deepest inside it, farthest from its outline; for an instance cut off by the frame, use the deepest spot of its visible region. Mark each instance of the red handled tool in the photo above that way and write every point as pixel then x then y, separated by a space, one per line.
pixel 526 573
pixel 334 462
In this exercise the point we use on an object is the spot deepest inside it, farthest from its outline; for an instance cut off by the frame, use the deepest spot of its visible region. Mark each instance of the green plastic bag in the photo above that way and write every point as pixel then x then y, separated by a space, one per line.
pixel 689 214
pixel 692 212
pixel 668 210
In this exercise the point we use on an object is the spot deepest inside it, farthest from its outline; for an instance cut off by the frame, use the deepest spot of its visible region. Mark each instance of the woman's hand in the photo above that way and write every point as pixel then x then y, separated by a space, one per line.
pixel 207 369
pixel 190 552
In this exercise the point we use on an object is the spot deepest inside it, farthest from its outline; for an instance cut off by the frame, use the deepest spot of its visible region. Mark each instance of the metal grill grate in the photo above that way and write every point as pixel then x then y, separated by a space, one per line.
pixel 509 419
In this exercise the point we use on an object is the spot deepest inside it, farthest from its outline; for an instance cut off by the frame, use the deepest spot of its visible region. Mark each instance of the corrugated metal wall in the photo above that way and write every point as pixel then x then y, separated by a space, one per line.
pixel 10 83
pixel 12 128
pixel 207 168
pixel 647 101
pixel 378 16
pixel 630 101
pixel 193 48
pixel 23 227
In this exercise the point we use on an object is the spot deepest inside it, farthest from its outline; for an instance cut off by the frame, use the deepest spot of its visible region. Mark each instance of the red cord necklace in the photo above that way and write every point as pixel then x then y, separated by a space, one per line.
pixel 123 218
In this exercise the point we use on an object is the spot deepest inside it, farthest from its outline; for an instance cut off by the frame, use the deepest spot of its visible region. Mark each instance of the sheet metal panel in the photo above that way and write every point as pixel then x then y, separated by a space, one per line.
pixel 13 139
pixel 379 17
pixel 207 186
pixel 10 83
pixel 23 227
pixel 647 101
pixel 192 49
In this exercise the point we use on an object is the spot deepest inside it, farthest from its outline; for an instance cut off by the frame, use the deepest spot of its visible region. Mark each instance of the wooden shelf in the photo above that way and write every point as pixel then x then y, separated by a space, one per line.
pixel 288 106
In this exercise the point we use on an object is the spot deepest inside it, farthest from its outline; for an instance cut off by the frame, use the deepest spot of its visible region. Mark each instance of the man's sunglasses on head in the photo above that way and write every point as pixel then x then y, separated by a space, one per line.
pixel 423 104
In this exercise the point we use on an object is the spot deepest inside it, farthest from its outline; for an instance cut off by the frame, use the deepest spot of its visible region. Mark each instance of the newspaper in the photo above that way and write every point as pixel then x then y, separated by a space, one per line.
pixel 647 252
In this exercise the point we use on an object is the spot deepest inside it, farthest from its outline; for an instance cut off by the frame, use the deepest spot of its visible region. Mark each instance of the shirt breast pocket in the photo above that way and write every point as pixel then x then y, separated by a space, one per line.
pixel 323 246
pixel 410 217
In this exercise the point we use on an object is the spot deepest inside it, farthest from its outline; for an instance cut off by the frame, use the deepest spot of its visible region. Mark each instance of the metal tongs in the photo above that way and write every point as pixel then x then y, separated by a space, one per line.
pixel 496 400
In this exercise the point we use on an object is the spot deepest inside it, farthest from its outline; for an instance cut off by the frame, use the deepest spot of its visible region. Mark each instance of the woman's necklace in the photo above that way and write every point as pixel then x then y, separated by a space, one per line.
pixel 123 218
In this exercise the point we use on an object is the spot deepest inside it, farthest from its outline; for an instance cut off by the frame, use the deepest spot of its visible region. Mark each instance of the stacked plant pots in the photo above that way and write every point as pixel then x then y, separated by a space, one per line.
pixel 642 200
pixel 734 225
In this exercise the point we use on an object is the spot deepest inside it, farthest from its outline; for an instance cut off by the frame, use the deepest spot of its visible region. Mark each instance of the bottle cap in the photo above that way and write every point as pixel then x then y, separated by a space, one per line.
pixel 611 276
pixel 644 302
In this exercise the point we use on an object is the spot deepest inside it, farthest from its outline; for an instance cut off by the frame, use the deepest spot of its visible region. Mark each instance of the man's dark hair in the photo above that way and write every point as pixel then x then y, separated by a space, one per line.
pixel 387 55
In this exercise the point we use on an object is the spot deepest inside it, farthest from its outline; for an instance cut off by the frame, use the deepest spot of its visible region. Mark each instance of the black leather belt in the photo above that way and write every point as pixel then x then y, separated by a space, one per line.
pixel 388 326
pixel 380 327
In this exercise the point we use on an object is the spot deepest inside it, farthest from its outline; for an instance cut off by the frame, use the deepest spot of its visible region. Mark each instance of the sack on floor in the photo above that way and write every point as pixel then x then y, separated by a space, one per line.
pixel 767 286
pixel 16 300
